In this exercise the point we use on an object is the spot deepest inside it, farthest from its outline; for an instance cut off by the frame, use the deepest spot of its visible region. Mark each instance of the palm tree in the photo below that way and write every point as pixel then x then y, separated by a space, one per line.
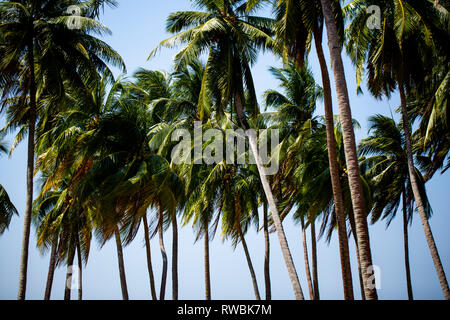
pixel 39 50
pixel 7 209
pixel 398 56
pixel 388 169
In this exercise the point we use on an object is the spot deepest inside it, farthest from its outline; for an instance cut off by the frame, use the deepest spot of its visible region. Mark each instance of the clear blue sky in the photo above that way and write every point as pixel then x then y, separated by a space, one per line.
pixel 138 26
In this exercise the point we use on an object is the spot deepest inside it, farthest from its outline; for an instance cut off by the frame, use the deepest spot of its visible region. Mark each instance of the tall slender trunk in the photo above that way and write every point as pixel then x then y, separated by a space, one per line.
pixel 51 269
pixel 266 254
pixel 306 258
pixel 207 265
pixel 418 199
pixel 351 219
pixel 149 258
pixel 334 171
pixel 30 168
pixel 356 190
pixel 68 283
pixel 250 265
pixel 406 247
pixel 80 269
pixel 162 291
pixel 123 279
pixel 175 258
pixel 314 261
pixel 292 272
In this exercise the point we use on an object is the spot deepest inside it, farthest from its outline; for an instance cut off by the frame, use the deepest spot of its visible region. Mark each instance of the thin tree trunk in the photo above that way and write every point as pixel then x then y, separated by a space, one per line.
pixel 266 254
pixel 207 265
pixel 351 218
pixel 149 258
pixel 292 272
pixel 406 247
pixel 69 273
pixel 356 190
pixel 123 279
pixel 30 168
pixel 306 258
pixel 334 172
pixel 80 270
pixel 175 258
pixel 162 291
pixel 314 261
pixel 250 265
pixel 51 269
pixel 418 199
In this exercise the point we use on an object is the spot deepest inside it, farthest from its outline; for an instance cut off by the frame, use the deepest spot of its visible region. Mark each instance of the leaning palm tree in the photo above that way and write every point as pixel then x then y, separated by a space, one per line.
pixel 398 56
pixel 40 49
pixel 232 38
pixel 387 167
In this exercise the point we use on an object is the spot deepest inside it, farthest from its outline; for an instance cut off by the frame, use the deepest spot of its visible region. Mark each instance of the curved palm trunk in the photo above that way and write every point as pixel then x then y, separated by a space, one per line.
pixel 123 280
pixel 306 258
pixel 266 254
pixel 175 259
pixel 149 258
pixel 406 247
pixel 250 266
pixel 292 272
pixel 418 199
pixel 51 269
pixel 356 190
pixel 30 168
pixel 351 219
pixel 162 291
pixel 314 261
pixel 207 265
pixel 334 172
pixel 80 270
pixel 68 283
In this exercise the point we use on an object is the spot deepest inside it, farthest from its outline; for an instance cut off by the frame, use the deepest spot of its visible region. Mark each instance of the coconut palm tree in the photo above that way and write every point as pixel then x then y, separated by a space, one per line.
pixel 7 209
pixel 388 169
pixel 39 50
pixel 397 56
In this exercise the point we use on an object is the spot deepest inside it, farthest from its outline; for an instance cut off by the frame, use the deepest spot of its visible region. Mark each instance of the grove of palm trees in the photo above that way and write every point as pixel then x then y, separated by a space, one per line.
pixel 98 202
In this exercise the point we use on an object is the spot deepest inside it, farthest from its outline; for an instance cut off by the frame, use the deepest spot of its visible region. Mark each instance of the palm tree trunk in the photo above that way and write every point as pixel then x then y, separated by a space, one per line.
pixel 80 270
pixel 306 258
pixel 356 190
pixel 250 265
pixel 406 247
pixel 123 279
pixel 272 205
pixel 162 291
pixel 149 258
pixel 314 261
pixel 68 283
pixel 351 219
pixel 266 254
pixel 30 168
pixel 334 172
pixel 175 258
pixel 51 269
pixel 418 199
pixel 207 265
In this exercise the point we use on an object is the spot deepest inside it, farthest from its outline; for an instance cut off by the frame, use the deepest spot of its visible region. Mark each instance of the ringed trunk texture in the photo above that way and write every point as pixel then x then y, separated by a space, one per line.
pixel 306 258
pixel 406 248
pixel 207 265
pixel 68 283
pixel 149 258
pixel 418 199
pixel 334 173
pixel 162 291
pixel 123 280
pixel 175 259
pixel 351 219
pixel 356 190
pixel 30 168
pixel 292 272
pixel 51 270
pixel 314 261
pixel 266 254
